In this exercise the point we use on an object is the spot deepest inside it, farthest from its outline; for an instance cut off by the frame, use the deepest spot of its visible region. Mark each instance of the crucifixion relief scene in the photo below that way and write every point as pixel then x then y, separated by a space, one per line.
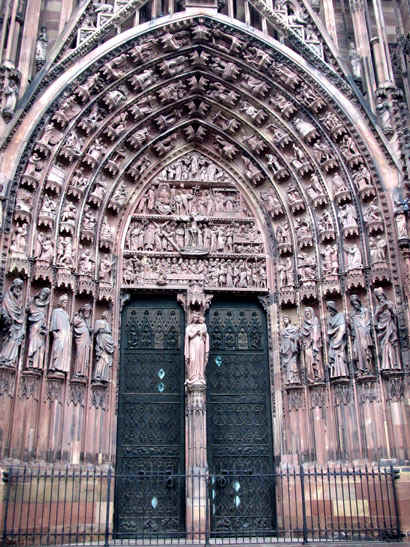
pixel 204 275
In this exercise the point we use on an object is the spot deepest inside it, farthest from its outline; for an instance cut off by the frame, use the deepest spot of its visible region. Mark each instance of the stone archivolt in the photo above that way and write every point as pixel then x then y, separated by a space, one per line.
pixel 170 162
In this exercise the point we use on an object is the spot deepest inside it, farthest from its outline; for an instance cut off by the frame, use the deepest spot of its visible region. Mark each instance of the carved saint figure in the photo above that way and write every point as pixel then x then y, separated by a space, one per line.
pixel 311 341
pixel 104 348
pixel 359 324
pixel 353 258
pixel 336 334
pixel 386 329
pixel 61 330
pixel 196 349
pixel 41 46
pixel 12 322
pixel 82 338
pixel 37 315
pixel 289 350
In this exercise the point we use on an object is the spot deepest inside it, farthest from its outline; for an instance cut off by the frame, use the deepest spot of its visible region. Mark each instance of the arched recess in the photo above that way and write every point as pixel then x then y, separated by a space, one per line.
pixel 310 172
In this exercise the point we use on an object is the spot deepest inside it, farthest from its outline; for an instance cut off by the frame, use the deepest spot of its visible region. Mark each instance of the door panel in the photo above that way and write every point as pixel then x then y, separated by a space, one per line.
pixel 150 436
pixel 239 426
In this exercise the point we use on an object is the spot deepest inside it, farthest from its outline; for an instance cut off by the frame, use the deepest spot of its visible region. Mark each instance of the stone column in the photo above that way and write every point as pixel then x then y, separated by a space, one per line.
pixel 385 70
pixel 362 41
pixel 28 42
pixel 328 11
pixel 195 304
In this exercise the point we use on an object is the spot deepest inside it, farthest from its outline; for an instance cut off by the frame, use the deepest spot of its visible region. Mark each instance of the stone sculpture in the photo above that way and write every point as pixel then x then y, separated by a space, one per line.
pixel 82 338
pixel 386 330
pixel 61 330
pixel 336 333
pixel 12 322
pixel 196 349
pixel 104 349
pixel 311 343
pixel 37 318
pixel 359 324
pixel 289 351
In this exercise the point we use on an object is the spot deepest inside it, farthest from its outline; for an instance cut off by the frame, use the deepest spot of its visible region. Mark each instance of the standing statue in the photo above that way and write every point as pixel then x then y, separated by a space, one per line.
pixel 37 321
pixel 104 349
pixel 61 329
pixel 12 323
pixel 289 350
pixel 311 341
pixel 386 330
pixel 41 47
pixel 336 333
pixel 359 324
pixel 196 349
pixel 355 62
pixel 82 338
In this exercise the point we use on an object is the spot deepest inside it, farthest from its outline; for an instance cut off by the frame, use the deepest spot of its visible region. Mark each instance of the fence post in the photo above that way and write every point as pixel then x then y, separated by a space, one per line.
pixel 107 513
pixel 6 476
pixel 302 488
pixel 395 475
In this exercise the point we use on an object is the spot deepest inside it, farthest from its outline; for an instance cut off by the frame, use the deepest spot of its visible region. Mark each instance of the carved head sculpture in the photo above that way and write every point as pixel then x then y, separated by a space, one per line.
pixel 44 294
pixel 85 311
pixel 286 321
pixel 63 301
pixel 16 288
pixel 331 307
pixel 379 294
pixel 355 301
pixel 308 314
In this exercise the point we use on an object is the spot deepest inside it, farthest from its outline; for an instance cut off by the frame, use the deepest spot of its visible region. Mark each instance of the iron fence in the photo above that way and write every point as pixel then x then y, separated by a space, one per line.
pixel 47 506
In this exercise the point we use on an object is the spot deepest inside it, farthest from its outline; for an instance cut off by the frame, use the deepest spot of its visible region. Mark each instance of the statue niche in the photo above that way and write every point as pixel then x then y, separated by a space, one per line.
pixel 193 225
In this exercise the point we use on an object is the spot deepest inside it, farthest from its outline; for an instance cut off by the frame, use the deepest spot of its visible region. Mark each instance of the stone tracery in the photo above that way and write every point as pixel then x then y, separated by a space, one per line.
pixel 265 186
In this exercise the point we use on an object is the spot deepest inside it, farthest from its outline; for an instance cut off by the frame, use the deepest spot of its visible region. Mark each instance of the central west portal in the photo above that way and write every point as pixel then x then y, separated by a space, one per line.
pixel 151 491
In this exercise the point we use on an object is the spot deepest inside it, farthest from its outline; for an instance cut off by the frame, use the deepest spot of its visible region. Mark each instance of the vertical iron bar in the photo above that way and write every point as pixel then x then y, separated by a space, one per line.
pixel 50 505
pixel 100 477
pixel 93 509
pixel 381 499
pixel 350 497
pixel 309 474
pixel 317 502
pixel 324 501
pixel 43 502
pixel 342 473
pixel 385 480
pixel 70 533
pixel 289 504
pixel 20 530
pixel 57 504
pixel 332 514
pixel 280 474
pixel 369 498
pixel 78 505
pixel 6 503
pixel 36 504
pixel 375 501
pixel 363 498
pixel 29 500
pixel 302 487
pixel 395 501
pixel 64 502
pixel 87 476
pixel 107 514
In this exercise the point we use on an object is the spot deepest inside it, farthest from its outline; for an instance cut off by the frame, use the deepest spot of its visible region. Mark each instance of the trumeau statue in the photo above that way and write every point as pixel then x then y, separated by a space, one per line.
pixel 289 351
pixel 61 330
pixel 37 317
pixel 386 330
pixel 104 349
pixel 336 333
pixel 12 323
pixel 82 338
pixel 359 323
pixel 311 342
pixel 196 349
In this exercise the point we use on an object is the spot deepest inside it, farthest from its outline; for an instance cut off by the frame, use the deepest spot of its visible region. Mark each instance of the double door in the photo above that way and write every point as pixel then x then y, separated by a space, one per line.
pixel 150 484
